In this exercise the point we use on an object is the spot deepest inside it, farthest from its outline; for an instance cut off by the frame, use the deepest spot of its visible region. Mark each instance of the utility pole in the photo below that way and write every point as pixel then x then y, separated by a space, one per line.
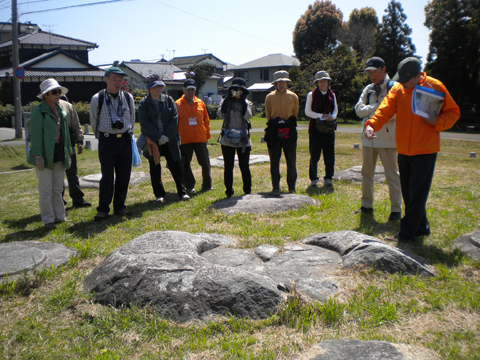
pixel 17 103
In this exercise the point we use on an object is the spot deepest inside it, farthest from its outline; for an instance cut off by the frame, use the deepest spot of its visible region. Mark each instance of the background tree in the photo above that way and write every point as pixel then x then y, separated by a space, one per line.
pixel 392 41
pixel 200 73
pixel 317 29
pixel 359 31
pixel 454 51
pixel 346 71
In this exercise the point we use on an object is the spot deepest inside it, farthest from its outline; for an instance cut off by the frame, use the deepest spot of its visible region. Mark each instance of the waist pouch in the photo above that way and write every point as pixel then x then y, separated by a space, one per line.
pixel 234 136
pixel 283 131
pixel 326 127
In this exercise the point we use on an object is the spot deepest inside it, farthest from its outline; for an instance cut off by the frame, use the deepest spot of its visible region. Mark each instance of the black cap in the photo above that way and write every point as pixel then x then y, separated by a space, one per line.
pixel 407 69
pixel 374 63
pixel 190 84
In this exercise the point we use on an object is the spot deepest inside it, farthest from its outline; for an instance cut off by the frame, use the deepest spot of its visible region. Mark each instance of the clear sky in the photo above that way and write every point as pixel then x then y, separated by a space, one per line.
pixel 234 31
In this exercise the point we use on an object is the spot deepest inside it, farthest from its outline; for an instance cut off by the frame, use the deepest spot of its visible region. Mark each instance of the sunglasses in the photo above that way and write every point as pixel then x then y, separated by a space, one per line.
pixel 56 91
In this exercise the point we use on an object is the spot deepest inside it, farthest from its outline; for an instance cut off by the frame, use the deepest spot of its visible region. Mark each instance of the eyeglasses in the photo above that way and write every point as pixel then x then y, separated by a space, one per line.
pixel 56 91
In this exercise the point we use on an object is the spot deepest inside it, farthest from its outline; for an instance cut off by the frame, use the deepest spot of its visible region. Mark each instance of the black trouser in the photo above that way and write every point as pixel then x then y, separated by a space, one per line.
pixel 156 173
pixel 290 151
pixel 229 163
pixel 318 142
pixel 115 155
pixel 73 183
pixel 201 152
pixel 416 174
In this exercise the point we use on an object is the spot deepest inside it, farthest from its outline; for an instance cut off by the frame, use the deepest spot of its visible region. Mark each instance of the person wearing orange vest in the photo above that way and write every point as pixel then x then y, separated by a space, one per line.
pixel 418 142
pixel 194 129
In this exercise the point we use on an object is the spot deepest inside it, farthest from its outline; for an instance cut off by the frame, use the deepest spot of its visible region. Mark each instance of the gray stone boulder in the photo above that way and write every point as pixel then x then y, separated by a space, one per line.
pixel 166 271
pixel 19 256
pixel 93 180
pixel 263 203
pixel 254 159
pixel 349 349
pixel 354 174
pixel 302 265
pixel 470 245
pixel 360 249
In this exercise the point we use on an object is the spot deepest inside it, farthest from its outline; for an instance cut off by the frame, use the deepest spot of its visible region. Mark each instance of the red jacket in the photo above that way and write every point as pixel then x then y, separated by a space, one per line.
pixel 192 131
pixel 414 136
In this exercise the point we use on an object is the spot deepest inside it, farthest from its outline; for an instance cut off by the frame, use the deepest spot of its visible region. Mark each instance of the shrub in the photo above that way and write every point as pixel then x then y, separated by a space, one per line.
pixel 212 111
pixel 83 111
pixel 6 113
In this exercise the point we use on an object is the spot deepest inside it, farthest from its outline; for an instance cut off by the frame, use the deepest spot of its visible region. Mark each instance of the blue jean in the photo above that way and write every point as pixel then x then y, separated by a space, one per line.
pixel 416 174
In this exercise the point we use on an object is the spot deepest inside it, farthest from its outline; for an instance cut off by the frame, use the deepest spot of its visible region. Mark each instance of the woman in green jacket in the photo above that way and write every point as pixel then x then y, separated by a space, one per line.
pixel 50 151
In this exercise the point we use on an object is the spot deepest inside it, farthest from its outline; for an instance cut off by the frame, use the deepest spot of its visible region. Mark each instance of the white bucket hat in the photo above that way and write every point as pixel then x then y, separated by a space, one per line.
pixel 48 85
pixel 281 75
pixel 321 75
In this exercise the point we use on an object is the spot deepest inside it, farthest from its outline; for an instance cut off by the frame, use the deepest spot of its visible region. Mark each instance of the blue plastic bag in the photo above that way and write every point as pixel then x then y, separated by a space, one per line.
pixel 135 154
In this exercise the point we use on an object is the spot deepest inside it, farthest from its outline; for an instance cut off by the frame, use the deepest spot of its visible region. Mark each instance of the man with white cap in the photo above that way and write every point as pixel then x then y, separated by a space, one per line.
pixel 112 115
pixel 281 109
pixel 383 145
pixel 50 151
pixel 321 107
pixel 194 129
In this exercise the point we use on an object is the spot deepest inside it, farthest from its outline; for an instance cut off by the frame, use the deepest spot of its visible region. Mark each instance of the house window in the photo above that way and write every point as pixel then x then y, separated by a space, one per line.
pixel 265 75
pixel 242 74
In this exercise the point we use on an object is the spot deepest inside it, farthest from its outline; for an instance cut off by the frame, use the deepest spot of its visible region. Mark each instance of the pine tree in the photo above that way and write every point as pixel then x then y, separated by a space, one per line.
pixel 392 41
pixel 454 51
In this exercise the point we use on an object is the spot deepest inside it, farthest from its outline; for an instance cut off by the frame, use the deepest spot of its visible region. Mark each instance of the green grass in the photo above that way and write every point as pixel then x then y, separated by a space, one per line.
pixel 46 315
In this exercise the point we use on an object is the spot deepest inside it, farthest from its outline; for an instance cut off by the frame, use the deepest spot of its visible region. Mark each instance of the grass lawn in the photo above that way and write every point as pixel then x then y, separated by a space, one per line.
pixel 46 315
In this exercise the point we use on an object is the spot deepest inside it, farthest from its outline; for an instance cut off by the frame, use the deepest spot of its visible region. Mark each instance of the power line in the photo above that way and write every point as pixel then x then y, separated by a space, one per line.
pixel 227 27
pixel 72 6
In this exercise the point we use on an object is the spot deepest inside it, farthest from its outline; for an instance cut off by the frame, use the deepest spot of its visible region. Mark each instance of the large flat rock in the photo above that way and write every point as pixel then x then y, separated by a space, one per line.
pixel 263 203
pixel 93 180
pixel 352 349
pixel 470 245
pixel 354 174
pixel 254 159
pixel 19 256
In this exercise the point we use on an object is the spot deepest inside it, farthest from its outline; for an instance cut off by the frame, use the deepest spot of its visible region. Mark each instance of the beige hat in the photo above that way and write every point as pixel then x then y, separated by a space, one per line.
pixel 321 75
pixel 48 85
pixel 281 75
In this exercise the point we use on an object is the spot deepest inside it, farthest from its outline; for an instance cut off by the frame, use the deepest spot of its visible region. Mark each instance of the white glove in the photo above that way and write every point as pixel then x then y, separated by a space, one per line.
pixel 40 163
pixel 163 140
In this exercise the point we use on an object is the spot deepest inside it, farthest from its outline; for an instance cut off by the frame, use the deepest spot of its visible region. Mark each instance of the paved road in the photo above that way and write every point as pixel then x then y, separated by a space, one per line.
pixel 7 135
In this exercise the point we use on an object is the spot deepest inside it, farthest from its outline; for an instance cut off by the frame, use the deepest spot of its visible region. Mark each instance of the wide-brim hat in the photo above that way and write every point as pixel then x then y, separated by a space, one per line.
pixel 50 84
pixel 281 75
pixel 239 83
pixel 407 69
pixel 321 75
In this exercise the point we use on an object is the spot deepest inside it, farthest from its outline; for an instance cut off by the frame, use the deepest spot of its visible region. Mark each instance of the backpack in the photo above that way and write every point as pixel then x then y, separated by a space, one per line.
pixel 389 86
pixel 101 100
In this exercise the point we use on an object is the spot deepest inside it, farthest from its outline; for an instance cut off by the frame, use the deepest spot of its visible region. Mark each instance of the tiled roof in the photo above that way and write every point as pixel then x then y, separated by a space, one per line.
pixel 165 70
pixel 274 60
pixel 44 38
pixel 49 72
pixel 187 60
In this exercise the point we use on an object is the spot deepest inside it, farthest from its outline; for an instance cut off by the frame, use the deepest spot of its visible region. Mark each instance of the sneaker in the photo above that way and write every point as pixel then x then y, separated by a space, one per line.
pixel 82 204
pixel 185 197
pixel 423 232
pixel 50 225
pixel 314 182
pixel 207 188
pixel 291 190
pixel 123 212
pixel 394 216
pixel 100 216
pixel 327 183
pixel 58 221
pixel 160 199
pixel 276 190
pixel 398 238
pixel 364 210
pixel 191 191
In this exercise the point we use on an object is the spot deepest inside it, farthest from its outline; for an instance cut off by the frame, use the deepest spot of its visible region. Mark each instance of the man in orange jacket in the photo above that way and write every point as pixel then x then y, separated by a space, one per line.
pixel 194 129
pixel 418 141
